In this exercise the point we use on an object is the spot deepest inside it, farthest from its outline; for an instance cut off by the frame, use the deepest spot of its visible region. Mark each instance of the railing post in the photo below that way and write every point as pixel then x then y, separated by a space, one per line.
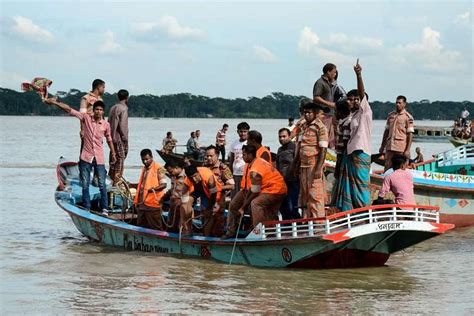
pixel 416 215
pixel 348 220
pixel 294 230
pixel 437 217
pixel 394 209
pixel 264 235
pixel 311 228
pixel 370 216
pixel 328 229
pixel 278 230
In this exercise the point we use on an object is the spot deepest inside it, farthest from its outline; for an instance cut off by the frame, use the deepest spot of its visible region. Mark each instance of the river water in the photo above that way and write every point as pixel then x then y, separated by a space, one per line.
pixel 48 267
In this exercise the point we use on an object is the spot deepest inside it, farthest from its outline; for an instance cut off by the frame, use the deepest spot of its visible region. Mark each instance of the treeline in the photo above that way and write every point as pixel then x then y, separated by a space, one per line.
pixel 276 105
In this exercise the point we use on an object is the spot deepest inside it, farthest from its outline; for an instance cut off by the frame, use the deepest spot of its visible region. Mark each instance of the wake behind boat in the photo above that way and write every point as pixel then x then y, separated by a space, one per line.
pixel 364 237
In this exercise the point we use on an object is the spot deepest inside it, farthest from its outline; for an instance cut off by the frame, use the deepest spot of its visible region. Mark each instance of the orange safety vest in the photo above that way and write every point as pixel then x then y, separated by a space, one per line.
pixel 206 175
pixel 272 180
pixel 150 199
pixel 262 150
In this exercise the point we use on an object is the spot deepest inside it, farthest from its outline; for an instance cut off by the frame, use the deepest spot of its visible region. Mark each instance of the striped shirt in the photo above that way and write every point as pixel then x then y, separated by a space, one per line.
pixel 343 134
pixel 220 137
pixel 400 182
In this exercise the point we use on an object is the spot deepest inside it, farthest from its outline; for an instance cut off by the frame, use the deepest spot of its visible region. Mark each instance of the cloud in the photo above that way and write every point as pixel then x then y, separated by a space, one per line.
pixel 264 54
pixel 354 44
pixel 168 26
pixel 28 30
pixel 110 46
pixel 308 41
pixel 464 19
pixel 429 53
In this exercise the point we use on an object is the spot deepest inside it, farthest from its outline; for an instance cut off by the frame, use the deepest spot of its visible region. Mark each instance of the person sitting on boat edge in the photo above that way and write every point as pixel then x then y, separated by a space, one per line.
pixel 169 143
pixel 255 139
pixel 181 203
pixel 263 190
pixel 150 190
pixel 94 128
pixel 418 159
pixel 400 182
pixel 204 185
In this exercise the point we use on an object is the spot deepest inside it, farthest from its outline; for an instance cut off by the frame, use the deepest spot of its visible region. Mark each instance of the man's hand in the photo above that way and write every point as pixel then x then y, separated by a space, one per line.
pixel 241 211
pixel 318 174
pixel 358 69
pixel 51 101
pixel 113 159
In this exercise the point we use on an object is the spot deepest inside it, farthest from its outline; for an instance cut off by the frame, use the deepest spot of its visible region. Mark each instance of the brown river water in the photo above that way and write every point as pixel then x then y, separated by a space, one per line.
pixel 48 267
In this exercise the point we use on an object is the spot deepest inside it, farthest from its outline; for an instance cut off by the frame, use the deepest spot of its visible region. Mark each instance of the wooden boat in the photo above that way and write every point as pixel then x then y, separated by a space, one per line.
pixel 447 182
pixel 456 141
pixel 358 238
pixel 432 134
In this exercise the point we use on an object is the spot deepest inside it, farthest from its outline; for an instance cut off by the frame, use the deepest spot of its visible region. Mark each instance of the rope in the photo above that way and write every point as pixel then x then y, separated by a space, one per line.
pixel 235 241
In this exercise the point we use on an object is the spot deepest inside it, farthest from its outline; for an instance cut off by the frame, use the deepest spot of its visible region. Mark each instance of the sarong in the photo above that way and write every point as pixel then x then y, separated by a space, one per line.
pixel 116 169
pixel 352 188
pixel 40 85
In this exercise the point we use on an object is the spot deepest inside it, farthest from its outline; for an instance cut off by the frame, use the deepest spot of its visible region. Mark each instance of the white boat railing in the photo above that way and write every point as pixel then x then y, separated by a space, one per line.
pixel 462 155
pixel 346 220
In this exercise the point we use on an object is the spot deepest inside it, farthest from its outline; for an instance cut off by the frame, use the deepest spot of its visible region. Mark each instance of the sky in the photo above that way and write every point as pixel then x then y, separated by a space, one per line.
pixel 421 49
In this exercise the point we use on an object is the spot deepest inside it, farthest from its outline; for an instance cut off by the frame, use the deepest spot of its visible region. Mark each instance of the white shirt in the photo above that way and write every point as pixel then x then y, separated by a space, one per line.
pixel 236 149
pixel 464 114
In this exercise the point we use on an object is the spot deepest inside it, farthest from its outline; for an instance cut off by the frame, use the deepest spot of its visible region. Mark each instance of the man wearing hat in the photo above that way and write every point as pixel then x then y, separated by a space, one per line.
pixel 312 151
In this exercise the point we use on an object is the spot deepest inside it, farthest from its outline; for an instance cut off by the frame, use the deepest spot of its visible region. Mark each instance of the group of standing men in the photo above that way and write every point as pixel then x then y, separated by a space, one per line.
pixel 258 186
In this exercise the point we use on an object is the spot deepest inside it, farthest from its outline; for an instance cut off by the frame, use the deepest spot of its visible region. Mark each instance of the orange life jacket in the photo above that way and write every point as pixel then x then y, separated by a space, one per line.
pixel 150 199
pixel 206 175
pixel 262 150
pixel 272 180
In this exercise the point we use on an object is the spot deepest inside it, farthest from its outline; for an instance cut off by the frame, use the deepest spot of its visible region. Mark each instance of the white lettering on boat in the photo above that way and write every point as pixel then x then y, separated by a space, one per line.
pixel 389 226
pixel 138 244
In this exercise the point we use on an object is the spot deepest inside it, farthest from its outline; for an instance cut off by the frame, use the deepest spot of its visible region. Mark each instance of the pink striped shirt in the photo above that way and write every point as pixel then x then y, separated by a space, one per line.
pixel 400 182
pixel 94 132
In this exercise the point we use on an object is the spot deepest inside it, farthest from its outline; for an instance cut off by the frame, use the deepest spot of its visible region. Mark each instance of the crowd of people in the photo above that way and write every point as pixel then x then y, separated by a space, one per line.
pixel 463 128
pixel 291 183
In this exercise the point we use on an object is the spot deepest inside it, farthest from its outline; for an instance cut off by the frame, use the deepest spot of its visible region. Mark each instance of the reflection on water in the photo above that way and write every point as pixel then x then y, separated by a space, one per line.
pixel 47 267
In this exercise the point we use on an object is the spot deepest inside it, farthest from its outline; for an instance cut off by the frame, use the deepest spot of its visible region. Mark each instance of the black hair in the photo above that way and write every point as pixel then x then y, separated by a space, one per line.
pixel 291 119
pixel 96 83
pixel 243 125
pixel 122 95
pixel 328 67
pixel 250 149
pixel 212 147
pixel 398 161
pixel 192 133
pixel 256 136
pixel 353 93
pixel 190 170
pixel 402 97
pixel 168 133
pixel 145 152
pixel 342 109
pixel 173 163
pixel 225 125
pixel 284 129
pixel 97 104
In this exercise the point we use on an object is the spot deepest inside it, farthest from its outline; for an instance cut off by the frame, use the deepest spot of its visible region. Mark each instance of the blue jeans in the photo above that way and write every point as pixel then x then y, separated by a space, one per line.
pixel 85 169
pixel 289 206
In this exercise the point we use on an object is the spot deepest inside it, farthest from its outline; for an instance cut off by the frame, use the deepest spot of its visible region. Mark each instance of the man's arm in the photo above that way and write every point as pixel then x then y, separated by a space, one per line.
pixel 161 176
pixel 231 162
pixel 255 188
pixel 319 164
pixel 360 82
pixel 112 150
pixel 211 185
pixel 320 100
pixel 63 106
pixel 385 187
pixel 83 105
pixel 123 126
pixel 384 141
pixel 407 148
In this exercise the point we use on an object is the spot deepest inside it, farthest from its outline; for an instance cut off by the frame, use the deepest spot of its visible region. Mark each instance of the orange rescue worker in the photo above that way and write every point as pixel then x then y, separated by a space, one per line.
pixel 150 190
pixel 255 139
pixel 263 189
pixel 205 186
pixel 312 152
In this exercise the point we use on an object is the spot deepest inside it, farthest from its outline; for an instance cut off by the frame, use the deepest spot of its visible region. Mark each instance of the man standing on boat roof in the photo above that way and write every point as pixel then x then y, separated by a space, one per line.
pixel 236 161
pixel 255 139
pixel 118 120
pixel 323 93
pixel 150 190
pixel 220 169
pixel 398 134
pixel 263 190
pixel 312 152
pixel 205 186
pixel 95 128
